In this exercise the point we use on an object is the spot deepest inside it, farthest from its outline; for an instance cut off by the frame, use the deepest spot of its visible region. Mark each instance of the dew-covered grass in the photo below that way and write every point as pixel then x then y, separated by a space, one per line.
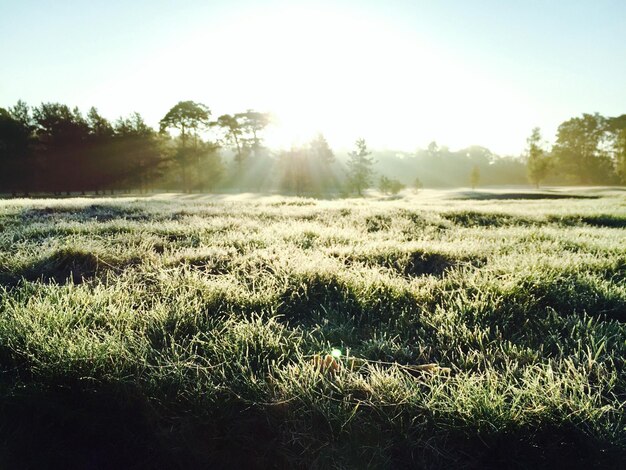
pixel 196 331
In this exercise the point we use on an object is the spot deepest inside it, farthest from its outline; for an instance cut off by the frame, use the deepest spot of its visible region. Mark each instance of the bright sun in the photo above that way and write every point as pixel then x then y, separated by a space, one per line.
pixel 351 76
pixel 347 76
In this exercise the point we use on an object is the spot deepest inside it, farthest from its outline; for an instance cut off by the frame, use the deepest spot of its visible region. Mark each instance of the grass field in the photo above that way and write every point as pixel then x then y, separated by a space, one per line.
pixel 475 330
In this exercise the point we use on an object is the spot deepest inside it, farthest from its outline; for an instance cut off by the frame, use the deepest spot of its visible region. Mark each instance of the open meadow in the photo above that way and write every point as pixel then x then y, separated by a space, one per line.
pixel 444 329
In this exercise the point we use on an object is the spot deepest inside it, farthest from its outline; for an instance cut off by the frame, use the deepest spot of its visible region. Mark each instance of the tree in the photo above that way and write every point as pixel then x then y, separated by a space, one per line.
pixel 580 149
pixel 16 149
pixel 417 184
pixel 186 116
pixel 63 135
pixel 360 167
pixel 243 133
pixel 296 175
pixel 139 154
pixel 478 155
pixel 620 154
pixel 617 135
pixel 233 134
pixel 433 149
pixel 306 168
pixel 99 127
pixel 474 177
pixel 251 124
pixel 210 167
pixel 396 186
pixel 321 151
pixel 537 164
pixel 322 158
pixel 189 118
pixel 390 185
pixel 99 149
pixel 384 184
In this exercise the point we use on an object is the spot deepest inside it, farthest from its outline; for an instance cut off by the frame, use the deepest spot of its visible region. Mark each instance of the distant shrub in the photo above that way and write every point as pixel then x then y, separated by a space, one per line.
pixel 390 186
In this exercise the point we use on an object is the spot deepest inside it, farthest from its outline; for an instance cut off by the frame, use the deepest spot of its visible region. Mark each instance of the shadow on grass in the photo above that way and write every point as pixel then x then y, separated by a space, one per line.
pixel 77 429
pixel 547 447
pixel 377 223
pixel 60 429
pixel 298 302
pixel 422 263
pixel 65 265
pixel 487 196
pixel 486 219
pixel 596 220
pixel 94 212
pixel 214 264
pixel 415 263
pixel 471 218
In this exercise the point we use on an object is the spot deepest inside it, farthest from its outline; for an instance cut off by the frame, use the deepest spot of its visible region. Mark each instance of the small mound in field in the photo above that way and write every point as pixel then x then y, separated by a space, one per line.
pixel 486 219
pixel 63 265
pixel 415 263
pixel 207 263
pixel 599 220
pixel 105 213
pixel 577 293
pixel 423 263
pixel 486 196
pixel 313 292
pixel 415 218
pixel 292 203
pixel 420 263
pixel 46 212
pixel 94 212
pixel 377 222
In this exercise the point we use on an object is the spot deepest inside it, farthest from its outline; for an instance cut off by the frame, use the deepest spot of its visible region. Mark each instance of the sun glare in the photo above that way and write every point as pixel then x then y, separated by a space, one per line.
pixel 347 77
pixel 331 71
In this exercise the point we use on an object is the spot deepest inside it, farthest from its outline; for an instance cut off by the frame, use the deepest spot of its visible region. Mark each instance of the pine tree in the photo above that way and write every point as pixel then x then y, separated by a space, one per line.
pixel 538 163
pixel 360 167
pixel 474 176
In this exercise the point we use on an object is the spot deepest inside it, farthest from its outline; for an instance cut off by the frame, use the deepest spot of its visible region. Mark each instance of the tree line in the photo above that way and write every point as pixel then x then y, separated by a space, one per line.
pixel 54 149
pixel 590 149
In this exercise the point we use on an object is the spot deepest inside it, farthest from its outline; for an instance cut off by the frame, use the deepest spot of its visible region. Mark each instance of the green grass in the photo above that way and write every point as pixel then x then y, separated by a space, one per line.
pixel 182 332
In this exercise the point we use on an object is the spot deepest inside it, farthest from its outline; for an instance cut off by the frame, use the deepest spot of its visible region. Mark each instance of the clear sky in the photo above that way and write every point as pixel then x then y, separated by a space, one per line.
pixel 398 73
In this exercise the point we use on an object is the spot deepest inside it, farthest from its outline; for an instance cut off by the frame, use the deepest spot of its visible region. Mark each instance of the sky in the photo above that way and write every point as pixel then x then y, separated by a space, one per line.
pixel 398 73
